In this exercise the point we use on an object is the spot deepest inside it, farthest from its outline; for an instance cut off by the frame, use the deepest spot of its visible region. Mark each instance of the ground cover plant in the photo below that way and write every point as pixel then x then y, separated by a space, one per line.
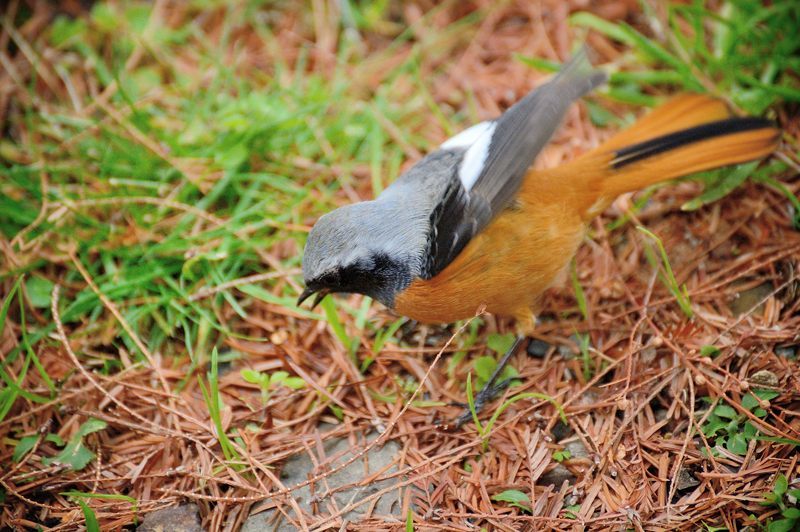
pixel 161 163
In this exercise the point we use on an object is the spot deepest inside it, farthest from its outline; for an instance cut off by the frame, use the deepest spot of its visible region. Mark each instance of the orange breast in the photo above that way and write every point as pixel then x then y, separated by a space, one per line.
pixel 506 267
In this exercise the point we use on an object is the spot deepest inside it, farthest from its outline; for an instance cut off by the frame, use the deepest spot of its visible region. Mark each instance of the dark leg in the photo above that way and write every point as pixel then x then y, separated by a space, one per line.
pixel 492 387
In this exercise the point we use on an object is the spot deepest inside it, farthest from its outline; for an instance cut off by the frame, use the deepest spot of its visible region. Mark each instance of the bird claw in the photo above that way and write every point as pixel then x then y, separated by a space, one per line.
pixel 490 390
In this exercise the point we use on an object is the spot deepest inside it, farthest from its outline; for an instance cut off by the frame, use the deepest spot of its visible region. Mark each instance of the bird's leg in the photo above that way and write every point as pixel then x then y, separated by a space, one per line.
pixel 492 387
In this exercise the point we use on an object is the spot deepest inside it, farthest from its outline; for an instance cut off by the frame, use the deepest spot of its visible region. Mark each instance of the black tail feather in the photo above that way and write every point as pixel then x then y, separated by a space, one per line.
pixel 649 148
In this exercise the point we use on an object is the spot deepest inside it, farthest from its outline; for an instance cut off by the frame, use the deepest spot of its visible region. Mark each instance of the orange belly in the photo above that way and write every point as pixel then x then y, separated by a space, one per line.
pixel 505 268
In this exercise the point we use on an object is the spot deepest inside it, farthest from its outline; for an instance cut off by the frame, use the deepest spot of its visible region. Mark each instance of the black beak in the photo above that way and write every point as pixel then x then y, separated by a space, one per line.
pixel 320 295
pixel 308 292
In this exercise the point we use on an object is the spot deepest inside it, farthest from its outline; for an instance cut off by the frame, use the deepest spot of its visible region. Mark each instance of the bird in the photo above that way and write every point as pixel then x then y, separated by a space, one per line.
pixel 472 225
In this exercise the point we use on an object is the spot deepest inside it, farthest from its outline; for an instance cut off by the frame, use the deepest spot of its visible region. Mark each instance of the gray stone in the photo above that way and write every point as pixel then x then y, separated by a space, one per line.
pixel 576 449
pixel 789 351
pixel 747 299
pixel 337 451
pixel 559 473
pixel 561 431
pixel 538 348
pixel 589 398
pixel 686 480
pixel 764 377
pixel 183 518
pixel 556 476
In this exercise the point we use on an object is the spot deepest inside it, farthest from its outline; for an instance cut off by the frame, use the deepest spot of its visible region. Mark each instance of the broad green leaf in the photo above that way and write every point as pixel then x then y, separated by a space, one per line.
pixel 294 383
pixel 515 498
pixel 713 425
pixel 39 289
pixel 737 444
pixel 749 402
pixel 781 485
pixel 500 343
pixel 766 395
pixel 782 525
pixel 104 17
pixel 726 411
pixel 64 31
pixel 26 443
pixel 75 454
pixel 484 366
pixel 278 377
pixel 55 438
pixel 89 426
pixel 791 513
pixel 251 376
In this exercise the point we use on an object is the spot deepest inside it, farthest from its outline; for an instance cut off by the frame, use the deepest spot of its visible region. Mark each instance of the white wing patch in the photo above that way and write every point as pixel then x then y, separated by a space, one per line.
pixel 476 140
pixel 467 138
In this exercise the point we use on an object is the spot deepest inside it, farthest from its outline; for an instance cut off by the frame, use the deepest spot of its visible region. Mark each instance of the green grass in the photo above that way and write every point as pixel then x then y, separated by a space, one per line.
pixel 185 186
pixel 215 404
pixel 665 273
pixel 747 53
pixel 485 429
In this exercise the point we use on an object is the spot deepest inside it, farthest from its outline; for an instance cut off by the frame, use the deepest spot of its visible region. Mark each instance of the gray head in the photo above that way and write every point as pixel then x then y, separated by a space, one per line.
pixel 357 249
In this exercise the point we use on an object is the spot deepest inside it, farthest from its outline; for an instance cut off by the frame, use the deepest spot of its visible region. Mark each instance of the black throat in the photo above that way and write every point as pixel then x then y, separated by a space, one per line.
pixel 378 277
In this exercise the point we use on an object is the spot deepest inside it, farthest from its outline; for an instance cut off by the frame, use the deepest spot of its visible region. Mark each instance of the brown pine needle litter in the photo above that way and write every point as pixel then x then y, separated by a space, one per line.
pixel 161 164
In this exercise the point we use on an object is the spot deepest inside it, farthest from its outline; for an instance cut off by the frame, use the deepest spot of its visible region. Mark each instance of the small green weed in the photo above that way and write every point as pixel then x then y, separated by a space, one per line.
pixel 571 511
pixel 213 400
pixel 92 525
pixel 709 351
pixel 786 500
pixel 580 295
pixel 562 455
pixel 382 335
pixel 80 497
pixel 733 430
pixel 407 385
pixel 269 382
pixel 667 277
pixel 484 366
pixel 485 430
pixel 75 454
pixel 584 342
pixel 515 498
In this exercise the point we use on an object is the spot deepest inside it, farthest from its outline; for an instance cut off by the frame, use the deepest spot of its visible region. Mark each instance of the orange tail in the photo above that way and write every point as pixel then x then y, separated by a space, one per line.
pixel 687 134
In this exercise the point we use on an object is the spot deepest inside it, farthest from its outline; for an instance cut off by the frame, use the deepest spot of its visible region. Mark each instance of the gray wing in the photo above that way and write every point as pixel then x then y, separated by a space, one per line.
pixel 493 158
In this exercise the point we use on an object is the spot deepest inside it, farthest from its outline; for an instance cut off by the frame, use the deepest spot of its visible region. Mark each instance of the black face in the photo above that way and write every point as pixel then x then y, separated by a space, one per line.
pixel 377 277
